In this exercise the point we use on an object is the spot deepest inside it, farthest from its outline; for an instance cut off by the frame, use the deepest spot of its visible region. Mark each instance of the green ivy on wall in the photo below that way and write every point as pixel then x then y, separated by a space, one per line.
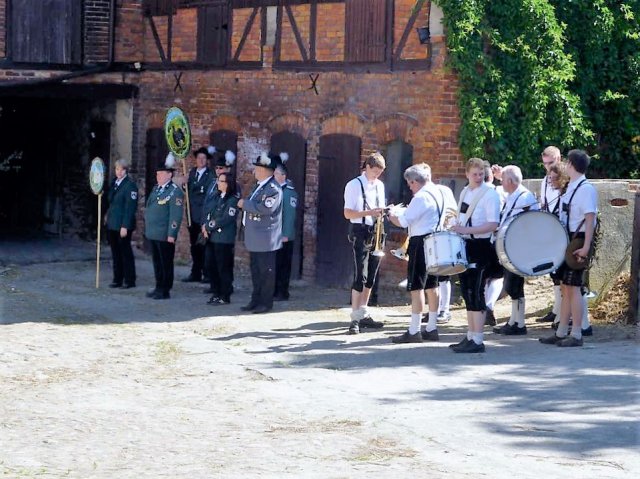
pixel 540 72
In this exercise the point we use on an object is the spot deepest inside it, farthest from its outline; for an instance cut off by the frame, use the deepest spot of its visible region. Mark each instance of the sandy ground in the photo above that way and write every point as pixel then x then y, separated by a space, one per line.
pixel 109 384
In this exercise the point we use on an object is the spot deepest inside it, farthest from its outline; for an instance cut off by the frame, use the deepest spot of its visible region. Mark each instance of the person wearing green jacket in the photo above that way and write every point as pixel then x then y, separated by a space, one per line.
pixel 120 219
pixel 220 228
pixel 284 255
pixel 162 218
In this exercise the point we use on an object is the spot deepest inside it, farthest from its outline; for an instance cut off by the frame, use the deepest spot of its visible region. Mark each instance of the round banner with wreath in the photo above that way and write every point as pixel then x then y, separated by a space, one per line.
pixel 96 176
pixel 177 132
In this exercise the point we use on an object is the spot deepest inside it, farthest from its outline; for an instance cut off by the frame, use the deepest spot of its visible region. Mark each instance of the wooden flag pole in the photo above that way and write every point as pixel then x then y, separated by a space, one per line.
pixel 186 190
pixel 98 245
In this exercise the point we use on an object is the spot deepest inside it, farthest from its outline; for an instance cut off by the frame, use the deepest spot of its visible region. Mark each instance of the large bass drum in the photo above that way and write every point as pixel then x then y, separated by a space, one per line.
pixel 445 253
pixel 532 243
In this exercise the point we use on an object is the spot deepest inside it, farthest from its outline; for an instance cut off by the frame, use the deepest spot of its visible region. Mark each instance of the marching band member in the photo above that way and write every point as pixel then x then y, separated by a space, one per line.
pixel 578 210
pixel 519 199
pixel 422 217
pixel 550 202
pixel 478 217
pixel 364 201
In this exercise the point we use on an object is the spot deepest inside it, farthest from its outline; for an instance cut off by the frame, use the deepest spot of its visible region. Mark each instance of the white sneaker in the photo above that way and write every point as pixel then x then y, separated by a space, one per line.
pixel 401 254
pixel 444 317
pixel 403 284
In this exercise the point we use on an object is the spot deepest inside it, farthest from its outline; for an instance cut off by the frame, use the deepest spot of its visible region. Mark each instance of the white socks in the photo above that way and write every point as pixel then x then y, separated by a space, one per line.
pixel 432 324
pixel 478 338
pixel 445 296
pixel 585 312
pixel 557 300
pixel 492 292
pixel 416 319
pixel 517 312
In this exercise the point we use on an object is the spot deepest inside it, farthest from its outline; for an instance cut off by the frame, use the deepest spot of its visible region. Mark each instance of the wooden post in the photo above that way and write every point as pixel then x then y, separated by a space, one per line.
pixel 634 307
pixel 186 190
pixel 98 245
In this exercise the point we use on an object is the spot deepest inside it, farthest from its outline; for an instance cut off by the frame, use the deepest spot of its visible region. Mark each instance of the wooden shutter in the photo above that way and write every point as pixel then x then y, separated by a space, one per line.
pixel 46 31
pixel 213 34
pixel 366 39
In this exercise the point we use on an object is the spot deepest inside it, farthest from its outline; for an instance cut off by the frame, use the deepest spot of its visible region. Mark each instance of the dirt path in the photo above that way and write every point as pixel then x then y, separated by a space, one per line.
pixel 106 384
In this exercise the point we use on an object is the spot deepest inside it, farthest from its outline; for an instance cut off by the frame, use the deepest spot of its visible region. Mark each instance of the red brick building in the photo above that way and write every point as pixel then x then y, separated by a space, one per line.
pixel 328 81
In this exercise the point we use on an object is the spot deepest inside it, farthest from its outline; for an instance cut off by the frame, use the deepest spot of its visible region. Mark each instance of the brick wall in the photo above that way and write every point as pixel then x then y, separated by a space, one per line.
pixel 96 30
pixel 3 29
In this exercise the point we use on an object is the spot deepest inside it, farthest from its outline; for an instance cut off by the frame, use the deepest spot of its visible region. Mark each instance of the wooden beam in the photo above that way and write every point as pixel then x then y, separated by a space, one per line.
pixel 296 33
pixel 169 35
pixel 405 34
pixel 313 25
pixel 156 37
pixel 245 34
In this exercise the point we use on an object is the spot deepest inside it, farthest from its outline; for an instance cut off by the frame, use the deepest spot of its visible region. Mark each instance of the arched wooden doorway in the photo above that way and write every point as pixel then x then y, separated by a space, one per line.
pixel 338 162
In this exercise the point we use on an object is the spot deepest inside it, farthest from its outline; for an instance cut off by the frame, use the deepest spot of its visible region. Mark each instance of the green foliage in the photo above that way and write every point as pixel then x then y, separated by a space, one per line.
pixel 530 75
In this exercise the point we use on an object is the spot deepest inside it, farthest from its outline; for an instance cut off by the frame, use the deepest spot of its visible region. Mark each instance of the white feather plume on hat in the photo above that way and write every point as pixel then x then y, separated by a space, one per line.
pixel 229 157
pixel 211 149
pixel 264 159
pixel 170 161
pixel 284 156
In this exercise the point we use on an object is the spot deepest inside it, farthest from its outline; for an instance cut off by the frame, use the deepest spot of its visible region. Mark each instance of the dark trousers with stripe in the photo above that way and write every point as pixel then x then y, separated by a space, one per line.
pixel 124 266
pixel 263 277
pixel 284 257
pixel 162 253
pixel 221 269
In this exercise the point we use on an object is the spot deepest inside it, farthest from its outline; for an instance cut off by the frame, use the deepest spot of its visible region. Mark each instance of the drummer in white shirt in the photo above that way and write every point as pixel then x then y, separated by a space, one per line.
pixel 519 199
pixel 478 218
pixel 422 217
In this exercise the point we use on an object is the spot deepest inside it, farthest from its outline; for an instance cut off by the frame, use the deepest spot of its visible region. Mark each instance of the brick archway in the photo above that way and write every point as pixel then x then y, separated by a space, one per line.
pixel 397 126
pixel 225 122
pixel 343 123
pixel 294 122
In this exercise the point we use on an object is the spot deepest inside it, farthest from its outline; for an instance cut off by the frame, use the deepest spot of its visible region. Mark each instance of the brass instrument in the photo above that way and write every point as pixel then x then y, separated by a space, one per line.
pixel 379 230
pixel 450 217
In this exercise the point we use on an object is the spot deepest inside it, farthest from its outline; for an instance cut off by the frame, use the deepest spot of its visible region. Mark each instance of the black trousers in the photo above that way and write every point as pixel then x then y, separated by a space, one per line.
pixel 365 264
pixel 124 266
pixel 263 277
pixel 472 280
pixel 284 257
pixel 513 285
pixel 162 253
pixel 221 256
pixel 197 251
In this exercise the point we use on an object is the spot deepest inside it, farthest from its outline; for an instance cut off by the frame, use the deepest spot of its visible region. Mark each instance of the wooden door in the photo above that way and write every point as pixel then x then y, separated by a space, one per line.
pixel 296 147
pixel 213 34
pixel 339 161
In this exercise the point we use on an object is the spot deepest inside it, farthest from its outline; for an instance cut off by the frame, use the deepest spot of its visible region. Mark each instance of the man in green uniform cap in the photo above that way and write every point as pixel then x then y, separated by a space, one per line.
pixel 162 218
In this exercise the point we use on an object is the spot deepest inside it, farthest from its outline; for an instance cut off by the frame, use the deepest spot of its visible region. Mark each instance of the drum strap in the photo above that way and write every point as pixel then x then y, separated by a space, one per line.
pixel 474 203
pixel 440 211
pixel 568 206
pixel 502 216
pixel 365 205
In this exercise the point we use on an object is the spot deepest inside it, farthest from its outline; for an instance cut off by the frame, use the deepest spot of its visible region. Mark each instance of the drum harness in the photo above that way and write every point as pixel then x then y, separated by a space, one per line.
pixel 470 209
pixel 596 229
pixel 366 205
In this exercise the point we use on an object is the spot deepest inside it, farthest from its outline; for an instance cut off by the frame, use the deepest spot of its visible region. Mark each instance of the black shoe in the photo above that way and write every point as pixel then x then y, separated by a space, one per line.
pixel 281 297
pixel 217 301
pixel 554 326
pixel 354 327
pixel 425 318
pixel 191 279
pixel 406 337
pixel 490 319
pixel 460 344
pixel 569 342
pixel 588 331
pixel 516 330
pixel 115 284
pixel 548 318
pixel 471 347
pixel 160 295
pixel 128 286
pixel 261 309
pixel 213 299
pixel 249 307
pixel 430 335
pixel 150 293
pixel 550 339
pixel 368 322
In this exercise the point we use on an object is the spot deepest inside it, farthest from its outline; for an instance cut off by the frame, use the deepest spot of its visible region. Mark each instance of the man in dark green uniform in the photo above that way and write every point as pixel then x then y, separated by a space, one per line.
pixel 162 223
pixel 199 181
pixel 121 221
pixel 284 255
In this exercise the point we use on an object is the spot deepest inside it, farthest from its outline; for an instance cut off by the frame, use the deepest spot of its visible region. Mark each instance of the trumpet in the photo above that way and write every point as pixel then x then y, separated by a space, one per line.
pixel 379 230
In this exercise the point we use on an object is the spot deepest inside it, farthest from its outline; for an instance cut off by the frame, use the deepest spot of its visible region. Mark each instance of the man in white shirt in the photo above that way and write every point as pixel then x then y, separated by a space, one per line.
pixel 578 210
pixel 422 217
pixel 519 199
pixel 478 218
pixel 364 202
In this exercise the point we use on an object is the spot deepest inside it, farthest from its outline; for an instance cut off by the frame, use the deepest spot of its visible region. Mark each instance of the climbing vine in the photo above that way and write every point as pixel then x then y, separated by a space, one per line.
pixel 540 72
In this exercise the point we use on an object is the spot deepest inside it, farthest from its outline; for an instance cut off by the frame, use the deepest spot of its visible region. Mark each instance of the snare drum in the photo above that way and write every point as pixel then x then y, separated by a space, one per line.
pixel 532 243
pixel 445 253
